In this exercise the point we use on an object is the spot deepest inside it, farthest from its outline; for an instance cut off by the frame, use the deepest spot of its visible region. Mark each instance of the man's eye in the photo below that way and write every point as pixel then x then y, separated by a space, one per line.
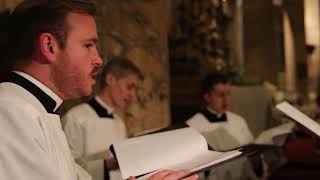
pixel 89 45
pixel 131 87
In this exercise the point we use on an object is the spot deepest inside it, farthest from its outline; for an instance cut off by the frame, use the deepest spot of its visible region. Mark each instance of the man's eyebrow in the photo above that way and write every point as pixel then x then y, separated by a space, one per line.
pixel 94 40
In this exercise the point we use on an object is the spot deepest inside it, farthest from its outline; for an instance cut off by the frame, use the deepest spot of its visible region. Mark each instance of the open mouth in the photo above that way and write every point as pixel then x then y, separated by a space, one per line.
pixel 127 102
pixel 94 73
pixel 94 76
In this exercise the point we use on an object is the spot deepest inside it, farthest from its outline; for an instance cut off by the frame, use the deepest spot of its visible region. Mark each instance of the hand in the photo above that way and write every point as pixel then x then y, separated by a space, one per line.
pixel 112 164
pixel 170 175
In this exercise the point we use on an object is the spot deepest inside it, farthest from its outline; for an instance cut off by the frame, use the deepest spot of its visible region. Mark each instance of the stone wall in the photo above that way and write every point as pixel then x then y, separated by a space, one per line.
pixel 138 30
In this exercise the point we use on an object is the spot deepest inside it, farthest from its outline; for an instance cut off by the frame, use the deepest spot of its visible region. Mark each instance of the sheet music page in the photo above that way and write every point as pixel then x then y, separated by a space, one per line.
pixel 152 152
pixel 220 139
pixel 202 161
pixel 267 136
pixel 298 116
pixel 209 158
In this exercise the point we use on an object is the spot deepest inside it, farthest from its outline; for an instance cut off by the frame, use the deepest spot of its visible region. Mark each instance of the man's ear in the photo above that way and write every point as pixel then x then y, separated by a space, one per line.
pixel 206 98
pixel 48 47
pixel 110 79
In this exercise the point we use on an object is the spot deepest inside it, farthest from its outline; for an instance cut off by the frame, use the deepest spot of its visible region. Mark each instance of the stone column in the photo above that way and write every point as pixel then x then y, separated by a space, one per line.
pixel 260 40
pixel 312 31
pixel 290 59
pixel 236 35
pixel 294 10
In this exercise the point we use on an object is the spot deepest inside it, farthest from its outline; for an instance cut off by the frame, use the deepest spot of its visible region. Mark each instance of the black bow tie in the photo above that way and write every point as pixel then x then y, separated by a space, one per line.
pixel 100 110
pixel 214 117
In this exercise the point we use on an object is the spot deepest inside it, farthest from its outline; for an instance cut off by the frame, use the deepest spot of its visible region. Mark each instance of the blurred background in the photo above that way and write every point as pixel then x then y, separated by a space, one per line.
pixel 270 49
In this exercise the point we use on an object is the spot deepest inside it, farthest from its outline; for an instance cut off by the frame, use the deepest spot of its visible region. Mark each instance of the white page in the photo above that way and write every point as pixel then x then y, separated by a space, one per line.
pixel 202 161
pixel 152 152
pixel 299 117
pixel 266 137
pixel 220 139
pixel 206 159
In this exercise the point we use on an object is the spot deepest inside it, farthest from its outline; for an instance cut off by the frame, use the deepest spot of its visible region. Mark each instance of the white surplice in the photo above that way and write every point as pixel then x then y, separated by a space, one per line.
pixel 235 133
pixel 235 125
pixel 89 134
pixel 32 143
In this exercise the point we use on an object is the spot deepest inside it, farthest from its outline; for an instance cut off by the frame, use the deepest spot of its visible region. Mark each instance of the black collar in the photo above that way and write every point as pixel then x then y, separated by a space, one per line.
pixel 47 102
pixel 214 117
pixel 100 110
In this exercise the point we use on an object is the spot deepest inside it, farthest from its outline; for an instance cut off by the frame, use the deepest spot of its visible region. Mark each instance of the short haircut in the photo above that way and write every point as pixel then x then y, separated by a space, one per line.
pixel 211 80
pixel 120 68
pixel 31 18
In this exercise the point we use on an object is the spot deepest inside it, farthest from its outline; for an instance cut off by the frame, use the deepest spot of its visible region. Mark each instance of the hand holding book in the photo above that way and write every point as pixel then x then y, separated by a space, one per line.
pixel 176 150
pixel 171 175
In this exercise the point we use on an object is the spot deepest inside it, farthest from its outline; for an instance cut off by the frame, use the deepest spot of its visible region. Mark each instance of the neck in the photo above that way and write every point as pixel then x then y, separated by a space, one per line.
pixel 105 96
pixel 214 111
pixel 42 73
pixel 47 98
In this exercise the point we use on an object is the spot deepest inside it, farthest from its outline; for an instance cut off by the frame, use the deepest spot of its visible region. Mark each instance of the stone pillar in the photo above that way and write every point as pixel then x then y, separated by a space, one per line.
pixel 138 30
pixel 295 12
pixel 312 29
pixel 236 35
pixel 260 40
pixel 290 59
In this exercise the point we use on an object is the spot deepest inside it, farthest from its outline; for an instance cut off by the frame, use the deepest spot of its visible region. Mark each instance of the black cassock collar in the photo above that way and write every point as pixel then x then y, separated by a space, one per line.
pixel 48 103
pixel 100 110
pixel 212 117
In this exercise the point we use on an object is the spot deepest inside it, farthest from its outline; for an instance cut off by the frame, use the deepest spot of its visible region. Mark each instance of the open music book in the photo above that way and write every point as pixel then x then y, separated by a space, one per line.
pixel 221 139
pixel 175 150
pixel 299 117
pixel 275 136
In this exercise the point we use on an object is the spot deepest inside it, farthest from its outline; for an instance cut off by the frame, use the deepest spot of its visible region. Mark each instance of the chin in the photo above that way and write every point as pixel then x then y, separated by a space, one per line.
pixel 221 111
pixel 122 105
pixel 77 93
pixel 93 82
pixel 86 92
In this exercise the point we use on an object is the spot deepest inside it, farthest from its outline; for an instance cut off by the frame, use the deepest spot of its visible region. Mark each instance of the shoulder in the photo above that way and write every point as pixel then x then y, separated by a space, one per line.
pixel 79 113
pixel 17 107
pixel 16 101
pixel 83 107
pixel 15 95
pixel 235 117
pixel 117 116
pixel 197 120
pixel 19 117
pixel 196 117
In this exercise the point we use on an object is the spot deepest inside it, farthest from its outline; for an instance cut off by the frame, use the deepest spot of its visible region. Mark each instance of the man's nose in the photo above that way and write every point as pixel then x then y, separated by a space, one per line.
pixel 226 100
pixel 132 95
pixel 98 60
